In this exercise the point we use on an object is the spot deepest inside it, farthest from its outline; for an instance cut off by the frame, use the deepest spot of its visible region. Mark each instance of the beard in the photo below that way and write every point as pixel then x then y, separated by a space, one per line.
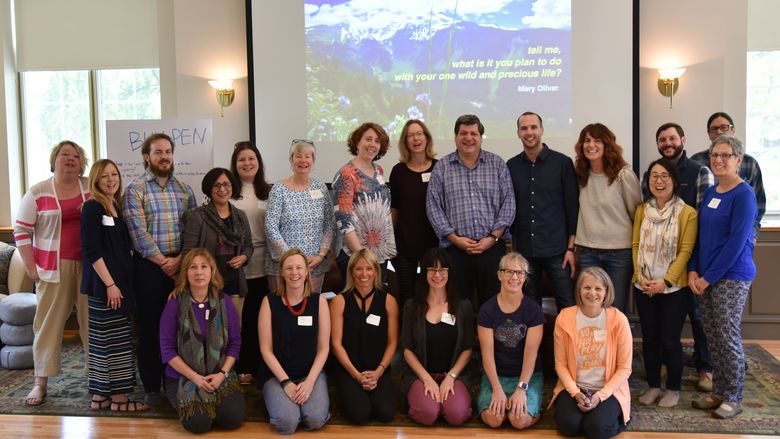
pixel 159 172
pixel 677 153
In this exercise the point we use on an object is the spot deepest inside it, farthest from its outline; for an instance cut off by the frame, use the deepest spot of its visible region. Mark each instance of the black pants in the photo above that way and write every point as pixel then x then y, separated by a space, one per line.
pixel 360 405
pixel 230 412
pixel 602 422
pixel 478 272
pixel 152 287
pixel 406 272
pixel 662 317
pixel 560 280
pixel 249 360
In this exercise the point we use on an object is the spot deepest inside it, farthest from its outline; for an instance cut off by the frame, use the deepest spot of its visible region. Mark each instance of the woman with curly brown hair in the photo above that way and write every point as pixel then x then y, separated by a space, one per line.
pixel 609 195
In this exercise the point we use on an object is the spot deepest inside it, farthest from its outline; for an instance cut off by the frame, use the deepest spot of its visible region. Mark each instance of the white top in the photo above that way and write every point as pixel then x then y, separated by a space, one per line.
pixel 607 210
pixel 591 350
pixel 255 210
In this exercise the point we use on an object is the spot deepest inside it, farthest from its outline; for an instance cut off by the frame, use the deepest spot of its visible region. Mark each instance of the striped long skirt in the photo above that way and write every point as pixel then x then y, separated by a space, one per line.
pixel 111 353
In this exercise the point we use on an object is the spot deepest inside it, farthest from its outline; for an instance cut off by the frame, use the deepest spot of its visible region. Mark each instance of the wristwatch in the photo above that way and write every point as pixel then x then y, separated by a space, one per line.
pixel 453 375
pixel 225 372
pixel 495 238
pixel 522 385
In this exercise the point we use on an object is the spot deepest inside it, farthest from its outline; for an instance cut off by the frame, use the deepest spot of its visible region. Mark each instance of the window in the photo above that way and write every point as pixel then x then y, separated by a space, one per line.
pixel 762 130
pixel 75 105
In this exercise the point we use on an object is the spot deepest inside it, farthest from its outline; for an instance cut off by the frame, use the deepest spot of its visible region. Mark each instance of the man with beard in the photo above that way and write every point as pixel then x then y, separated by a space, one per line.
pixel 154 207
pixel 470 204
pixel 547 197
pixel 694 179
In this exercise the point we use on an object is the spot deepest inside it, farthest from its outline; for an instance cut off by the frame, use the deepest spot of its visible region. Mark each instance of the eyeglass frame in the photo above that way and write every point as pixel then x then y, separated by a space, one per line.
pixel 519 273
pixel 720 128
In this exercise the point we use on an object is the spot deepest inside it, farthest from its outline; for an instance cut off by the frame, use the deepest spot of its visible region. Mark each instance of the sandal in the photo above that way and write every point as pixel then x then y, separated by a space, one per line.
pixel 128 406
pixel 707 402
pixel 99 404
pixel 37 395
pixel 727 410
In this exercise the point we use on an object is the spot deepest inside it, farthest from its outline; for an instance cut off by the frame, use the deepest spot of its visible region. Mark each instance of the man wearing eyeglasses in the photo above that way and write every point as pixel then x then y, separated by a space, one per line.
pixel 694 178
pixel 547 197
pixel 721 124
pixel 154 207
pixel 470 204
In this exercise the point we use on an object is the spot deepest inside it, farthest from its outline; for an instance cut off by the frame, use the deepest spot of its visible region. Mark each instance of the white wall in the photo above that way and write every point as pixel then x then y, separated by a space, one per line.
pixel 706 37
pixel 10 185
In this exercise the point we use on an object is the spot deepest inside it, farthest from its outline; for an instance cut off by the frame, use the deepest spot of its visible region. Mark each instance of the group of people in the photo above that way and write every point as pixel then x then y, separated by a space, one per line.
pixel 153 257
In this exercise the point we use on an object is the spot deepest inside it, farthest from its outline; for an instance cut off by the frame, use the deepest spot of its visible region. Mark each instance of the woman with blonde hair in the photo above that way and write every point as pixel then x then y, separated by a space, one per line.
pixel 294 341
pixel 107 281
pixel 200 341
pixel 48 235
pixel 364 336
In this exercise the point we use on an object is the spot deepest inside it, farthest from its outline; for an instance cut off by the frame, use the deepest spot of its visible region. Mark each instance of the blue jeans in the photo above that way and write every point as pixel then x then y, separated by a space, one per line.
pixel 619 266
pixel 286 415
pixel 560 280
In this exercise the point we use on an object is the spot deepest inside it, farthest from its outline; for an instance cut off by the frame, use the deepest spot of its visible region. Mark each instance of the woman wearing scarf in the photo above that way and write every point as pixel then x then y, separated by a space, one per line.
pixel 200 341
pixel 223 230
pixel 664 236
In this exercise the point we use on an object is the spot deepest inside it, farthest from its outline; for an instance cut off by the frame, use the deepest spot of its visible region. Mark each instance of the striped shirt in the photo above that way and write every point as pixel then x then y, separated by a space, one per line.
pixel 154 214
pixel 470 202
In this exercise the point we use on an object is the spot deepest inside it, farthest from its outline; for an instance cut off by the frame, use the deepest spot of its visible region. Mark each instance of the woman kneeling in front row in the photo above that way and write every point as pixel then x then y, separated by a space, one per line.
pixel 294 328
pixel 593 349
pixel 510 331
pixel 200 340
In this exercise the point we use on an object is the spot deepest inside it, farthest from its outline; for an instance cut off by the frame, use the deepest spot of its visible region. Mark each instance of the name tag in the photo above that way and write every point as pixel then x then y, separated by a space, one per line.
pixel 315 194
pixel 714 203
pixel 426 176
pixel 373 319
pixel 380 179
pixel 108 220
pixel 448 318
pixel 305 320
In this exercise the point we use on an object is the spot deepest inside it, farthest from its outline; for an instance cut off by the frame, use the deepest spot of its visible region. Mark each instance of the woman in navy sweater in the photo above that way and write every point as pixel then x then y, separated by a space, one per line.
pixel 721 271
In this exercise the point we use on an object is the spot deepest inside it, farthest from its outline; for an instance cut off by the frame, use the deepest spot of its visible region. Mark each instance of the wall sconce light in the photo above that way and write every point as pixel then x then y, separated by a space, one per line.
pixel 225 93
pixel 668 82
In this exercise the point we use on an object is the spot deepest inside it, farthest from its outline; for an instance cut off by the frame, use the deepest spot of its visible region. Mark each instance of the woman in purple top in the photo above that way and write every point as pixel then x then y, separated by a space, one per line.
pixel 408 187
pixel 200 341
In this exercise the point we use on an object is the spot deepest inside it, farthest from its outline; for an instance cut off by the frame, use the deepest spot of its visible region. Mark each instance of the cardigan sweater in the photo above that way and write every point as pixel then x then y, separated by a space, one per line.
pixel 39 223
pixel 619 351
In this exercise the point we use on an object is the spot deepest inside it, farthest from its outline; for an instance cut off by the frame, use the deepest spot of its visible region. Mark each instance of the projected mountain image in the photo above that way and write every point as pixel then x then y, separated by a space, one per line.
pixel 434 69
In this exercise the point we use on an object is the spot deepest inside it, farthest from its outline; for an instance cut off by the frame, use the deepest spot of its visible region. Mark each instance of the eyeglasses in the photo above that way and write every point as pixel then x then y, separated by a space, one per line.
pixel 226 185
pixel 511 273
pixel 413 135
pixel 296 141
pixel 720 128
pixel 721 156
pixel 438 270
pixel 661 177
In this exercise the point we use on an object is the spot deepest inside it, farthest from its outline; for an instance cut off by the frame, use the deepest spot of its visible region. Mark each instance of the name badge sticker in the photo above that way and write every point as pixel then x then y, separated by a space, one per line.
pixel 373 319
pixel 305 320
pixel 380 179
pixel 315 194
pixel 448 318
pixel 426 176
pixel 714 203
pixel 108 220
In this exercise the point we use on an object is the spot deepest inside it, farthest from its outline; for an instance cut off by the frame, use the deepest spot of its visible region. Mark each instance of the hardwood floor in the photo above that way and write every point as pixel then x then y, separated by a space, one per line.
pixel 19 426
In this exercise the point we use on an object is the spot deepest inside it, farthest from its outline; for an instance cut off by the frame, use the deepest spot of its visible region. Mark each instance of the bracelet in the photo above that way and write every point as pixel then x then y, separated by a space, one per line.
pixel 383 366
pixel 285 382
pixel 109 286
pixel 570 249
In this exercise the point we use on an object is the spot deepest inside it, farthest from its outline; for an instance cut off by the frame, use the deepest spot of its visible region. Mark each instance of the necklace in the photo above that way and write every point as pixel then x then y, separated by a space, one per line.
pixel 201 303
pixel 290 308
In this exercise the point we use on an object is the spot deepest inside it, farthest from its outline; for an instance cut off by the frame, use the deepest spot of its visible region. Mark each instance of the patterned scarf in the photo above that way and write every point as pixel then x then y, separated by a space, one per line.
pixel 658 238
pixel 233 235
pixel 204 358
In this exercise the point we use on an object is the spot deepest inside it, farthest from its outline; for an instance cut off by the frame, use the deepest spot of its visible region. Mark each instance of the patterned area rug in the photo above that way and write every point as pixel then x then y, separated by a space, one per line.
pixel 68 396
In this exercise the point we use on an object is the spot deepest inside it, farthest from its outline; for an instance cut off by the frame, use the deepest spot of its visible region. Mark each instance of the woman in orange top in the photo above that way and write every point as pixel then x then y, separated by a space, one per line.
pixel 593 349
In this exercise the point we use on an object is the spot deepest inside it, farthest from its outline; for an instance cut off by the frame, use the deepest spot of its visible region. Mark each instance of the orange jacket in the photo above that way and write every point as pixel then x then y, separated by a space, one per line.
pixel 619 352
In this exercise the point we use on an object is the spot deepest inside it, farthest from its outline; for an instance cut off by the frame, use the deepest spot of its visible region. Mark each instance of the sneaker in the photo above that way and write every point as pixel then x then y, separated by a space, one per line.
pixel 704 384
pixel 727 410
pixel 707 402
pixel 153 399
pixel 670 399
pixel 245 378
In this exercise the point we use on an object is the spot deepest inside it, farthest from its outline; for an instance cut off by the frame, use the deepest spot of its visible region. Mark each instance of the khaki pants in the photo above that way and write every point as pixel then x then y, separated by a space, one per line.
pixel 238 302
pixel 55 303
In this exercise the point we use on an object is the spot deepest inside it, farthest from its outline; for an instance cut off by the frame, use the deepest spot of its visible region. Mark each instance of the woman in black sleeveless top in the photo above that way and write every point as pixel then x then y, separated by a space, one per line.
pixel 294 328
pixel 364 337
